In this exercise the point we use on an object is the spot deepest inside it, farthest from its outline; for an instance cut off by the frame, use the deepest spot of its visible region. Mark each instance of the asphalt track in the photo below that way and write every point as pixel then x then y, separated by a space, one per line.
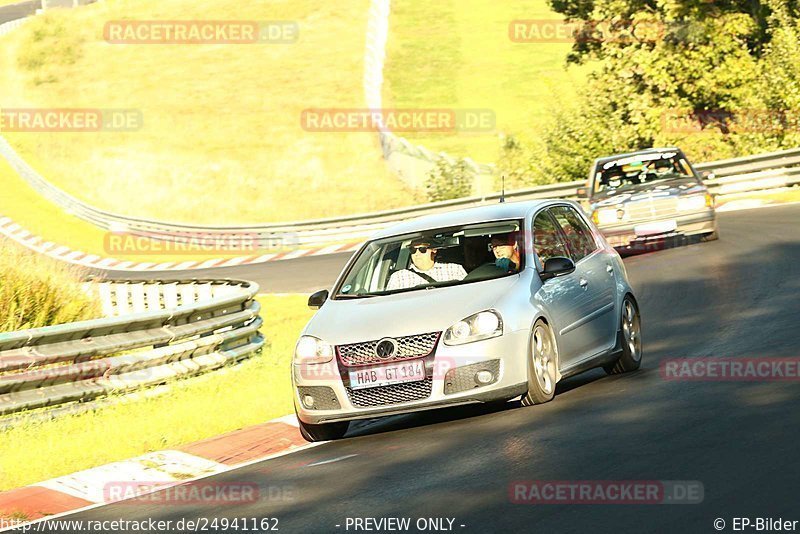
pixel 18 11
pixel 734 297
pixel 302 275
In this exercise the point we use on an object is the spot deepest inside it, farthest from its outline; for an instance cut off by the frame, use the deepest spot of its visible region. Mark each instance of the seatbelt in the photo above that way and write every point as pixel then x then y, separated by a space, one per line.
pixel 424 276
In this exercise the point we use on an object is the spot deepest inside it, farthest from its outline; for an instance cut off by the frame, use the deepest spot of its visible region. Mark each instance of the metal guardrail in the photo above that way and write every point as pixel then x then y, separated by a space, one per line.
pixel 753 173
pixel 179 329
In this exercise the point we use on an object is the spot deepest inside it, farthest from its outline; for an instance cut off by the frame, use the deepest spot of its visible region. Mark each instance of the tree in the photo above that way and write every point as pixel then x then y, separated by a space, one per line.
pixel 448 180
pixel 686 72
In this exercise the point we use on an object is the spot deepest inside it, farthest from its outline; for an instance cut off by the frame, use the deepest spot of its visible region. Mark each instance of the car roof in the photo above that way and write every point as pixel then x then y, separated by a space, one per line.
pixel 605 159
pixel 492 212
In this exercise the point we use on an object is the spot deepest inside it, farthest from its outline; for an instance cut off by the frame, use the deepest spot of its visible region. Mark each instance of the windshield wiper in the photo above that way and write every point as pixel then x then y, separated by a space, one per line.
pixel 355 295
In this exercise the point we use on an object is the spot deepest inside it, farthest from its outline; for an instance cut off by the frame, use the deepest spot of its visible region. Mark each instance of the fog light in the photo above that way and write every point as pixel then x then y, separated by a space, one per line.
pixel 484 377
pixel 308 401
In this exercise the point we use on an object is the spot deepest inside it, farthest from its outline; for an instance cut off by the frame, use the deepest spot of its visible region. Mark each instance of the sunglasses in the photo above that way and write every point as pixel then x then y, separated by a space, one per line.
pixel 421 250
pixel 493 246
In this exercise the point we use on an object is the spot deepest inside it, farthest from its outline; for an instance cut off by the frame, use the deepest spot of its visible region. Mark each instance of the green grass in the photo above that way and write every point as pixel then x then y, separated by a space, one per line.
pixel 255 391
pixel 222 140
pixel 37 291
pixel 458 55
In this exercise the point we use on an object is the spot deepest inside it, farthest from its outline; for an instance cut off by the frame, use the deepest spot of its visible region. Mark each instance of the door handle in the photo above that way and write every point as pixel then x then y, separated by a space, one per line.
pixel 609 269
pixel 584 282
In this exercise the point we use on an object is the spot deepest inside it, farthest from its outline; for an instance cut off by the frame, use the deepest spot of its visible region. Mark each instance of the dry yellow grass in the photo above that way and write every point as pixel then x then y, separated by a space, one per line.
pixel 459 55
pixel 37 291
pixel 222 140
pixel 34 213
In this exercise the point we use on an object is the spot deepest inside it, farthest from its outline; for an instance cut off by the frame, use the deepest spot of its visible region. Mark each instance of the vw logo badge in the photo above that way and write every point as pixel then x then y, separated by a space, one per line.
pixel 385 348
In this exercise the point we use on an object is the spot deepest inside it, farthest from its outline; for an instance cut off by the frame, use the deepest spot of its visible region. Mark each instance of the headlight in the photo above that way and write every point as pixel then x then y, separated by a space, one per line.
pixel 482 325
pixel 693 203
pixel 312 350
pixel 606 216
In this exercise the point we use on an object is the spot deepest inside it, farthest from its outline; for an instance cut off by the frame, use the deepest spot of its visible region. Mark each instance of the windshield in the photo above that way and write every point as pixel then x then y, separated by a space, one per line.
pixel 639 169
pixel 435 258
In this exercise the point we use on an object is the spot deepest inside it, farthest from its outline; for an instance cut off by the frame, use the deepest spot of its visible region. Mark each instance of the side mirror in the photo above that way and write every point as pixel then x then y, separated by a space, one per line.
pixel 556 266
pixel 316 300
pixel 582 192
pixel 708 175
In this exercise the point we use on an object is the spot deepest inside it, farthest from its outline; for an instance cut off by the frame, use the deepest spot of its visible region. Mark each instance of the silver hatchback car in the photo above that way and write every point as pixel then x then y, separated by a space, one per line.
pixel 477 305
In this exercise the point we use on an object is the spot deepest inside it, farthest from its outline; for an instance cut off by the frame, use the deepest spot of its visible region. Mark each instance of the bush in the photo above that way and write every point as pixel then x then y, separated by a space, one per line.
pixel 448 180
pixel 520 163
pixel 37 291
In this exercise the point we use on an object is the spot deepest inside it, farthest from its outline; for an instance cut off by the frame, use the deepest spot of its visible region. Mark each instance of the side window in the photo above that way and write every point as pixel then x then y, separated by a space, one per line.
pixel 546 240
pixel 579 237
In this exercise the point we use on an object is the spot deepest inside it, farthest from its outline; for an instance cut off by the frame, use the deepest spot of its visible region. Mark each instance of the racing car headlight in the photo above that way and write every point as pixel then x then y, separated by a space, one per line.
pixel 481 325
pixel 605 216
pixel 312 350
pixel 692 203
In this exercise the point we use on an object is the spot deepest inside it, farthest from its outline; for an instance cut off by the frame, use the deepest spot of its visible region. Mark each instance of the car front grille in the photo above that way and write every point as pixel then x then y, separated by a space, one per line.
pixel 392 394
pixel 408 347
pixel 651 209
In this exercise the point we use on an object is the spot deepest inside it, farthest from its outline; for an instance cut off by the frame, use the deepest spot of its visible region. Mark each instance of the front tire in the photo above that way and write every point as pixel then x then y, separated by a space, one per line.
pixel 630 339
pixel 542 365
pixel 324 431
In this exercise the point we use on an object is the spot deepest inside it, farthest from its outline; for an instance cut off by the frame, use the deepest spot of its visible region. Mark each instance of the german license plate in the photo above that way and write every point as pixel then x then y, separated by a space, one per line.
pixel 655 228
pixel 386 375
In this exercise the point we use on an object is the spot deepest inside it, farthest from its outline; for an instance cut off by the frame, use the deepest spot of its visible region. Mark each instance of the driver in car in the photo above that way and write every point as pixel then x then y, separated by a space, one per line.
pixel 424 268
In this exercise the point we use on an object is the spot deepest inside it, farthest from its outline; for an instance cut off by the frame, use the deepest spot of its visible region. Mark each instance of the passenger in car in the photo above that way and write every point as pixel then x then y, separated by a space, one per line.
pixel 506 252
pixel 424 268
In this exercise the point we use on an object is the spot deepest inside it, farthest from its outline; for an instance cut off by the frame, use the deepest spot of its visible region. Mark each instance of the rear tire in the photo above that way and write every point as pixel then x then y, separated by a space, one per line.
pixel 713 236
pixel 323 432
pixel 629 338
pixel 542 365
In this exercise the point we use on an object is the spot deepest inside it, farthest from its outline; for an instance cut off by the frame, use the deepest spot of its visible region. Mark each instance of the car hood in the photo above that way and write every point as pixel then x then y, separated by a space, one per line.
pixel 666 188
pixel 401 314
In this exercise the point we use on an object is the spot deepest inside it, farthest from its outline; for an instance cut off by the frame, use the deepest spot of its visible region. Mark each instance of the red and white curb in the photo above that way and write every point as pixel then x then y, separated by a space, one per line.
pixel 153 471
pixel 14 231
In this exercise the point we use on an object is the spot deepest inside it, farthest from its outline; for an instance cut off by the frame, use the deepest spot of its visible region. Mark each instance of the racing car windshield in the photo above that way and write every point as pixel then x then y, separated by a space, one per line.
pixel 435 258
pixel 640 169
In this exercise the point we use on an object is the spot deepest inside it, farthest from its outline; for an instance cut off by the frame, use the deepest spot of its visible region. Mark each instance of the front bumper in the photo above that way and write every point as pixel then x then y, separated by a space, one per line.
pixel 686 225
pixel 510 349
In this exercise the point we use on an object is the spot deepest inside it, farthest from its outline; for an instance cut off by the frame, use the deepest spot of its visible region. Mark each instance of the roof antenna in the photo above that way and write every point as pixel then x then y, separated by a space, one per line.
pixel 502 188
